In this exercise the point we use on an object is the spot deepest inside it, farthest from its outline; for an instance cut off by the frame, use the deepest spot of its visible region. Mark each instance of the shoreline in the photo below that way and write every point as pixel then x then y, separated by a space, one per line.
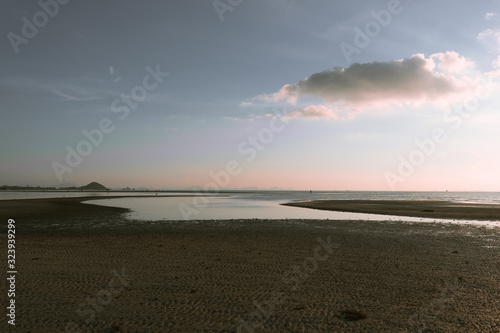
pixel 414 208
pixel 65 208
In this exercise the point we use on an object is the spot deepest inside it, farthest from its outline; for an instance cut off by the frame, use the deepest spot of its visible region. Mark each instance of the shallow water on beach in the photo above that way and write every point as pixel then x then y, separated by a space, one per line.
pixel 240 207
pixel 210 208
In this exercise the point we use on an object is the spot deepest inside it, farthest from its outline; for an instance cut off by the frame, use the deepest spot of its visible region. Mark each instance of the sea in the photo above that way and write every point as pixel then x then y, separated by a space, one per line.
pixel 149 206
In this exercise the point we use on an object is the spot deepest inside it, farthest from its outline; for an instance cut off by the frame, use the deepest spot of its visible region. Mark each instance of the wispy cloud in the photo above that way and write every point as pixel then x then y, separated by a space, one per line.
pixel 112 72
pixel 246 104
pixel 319 111
pixel 490 15
pixel 62 90
pixel 490 38
pixel 496 62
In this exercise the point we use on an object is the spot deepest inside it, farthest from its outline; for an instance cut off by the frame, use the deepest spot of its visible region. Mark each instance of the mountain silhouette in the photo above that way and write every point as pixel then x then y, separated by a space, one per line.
pixel 94 186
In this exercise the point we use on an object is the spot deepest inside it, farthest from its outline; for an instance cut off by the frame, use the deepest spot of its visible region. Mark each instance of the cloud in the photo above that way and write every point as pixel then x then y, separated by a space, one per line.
pixel 489 15
pixel 412 82
pixel 111 70
pixel 246 104
pixel 287 92
pixel 490 38
pixel 317 112
pixel 452 62
pixel 496 62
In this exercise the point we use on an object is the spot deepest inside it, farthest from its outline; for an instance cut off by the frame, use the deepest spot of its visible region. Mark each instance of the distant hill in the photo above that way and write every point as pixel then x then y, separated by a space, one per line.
pixel 94 186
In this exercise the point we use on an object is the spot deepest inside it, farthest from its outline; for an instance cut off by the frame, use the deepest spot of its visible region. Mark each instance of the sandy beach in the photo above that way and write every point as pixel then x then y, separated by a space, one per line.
pixel 415 208
pixel 251 275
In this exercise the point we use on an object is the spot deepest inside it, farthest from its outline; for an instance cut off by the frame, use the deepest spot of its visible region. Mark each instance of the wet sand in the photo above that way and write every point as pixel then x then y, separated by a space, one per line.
pixel 65 209
pixel 253 275
pixel 56 208
pixel 429 209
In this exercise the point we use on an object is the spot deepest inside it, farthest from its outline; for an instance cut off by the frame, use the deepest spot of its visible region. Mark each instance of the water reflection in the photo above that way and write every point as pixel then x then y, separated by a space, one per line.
pixel 181 208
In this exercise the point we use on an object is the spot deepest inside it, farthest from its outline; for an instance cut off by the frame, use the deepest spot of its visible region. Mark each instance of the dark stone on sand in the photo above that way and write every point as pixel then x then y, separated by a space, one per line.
pixel 350 315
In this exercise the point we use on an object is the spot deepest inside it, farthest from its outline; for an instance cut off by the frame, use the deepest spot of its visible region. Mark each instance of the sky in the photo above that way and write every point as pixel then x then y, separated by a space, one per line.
pixel 239 94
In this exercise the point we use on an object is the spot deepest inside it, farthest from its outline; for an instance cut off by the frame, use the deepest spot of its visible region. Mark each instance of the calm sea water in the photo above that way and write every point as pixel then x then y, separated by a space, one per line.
pixel 477 197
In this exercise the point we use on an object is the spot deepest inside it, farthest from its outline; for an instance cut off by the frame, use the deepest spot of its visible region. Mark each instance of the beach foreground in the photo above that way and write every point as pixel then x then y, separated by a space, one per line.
pixel 258 275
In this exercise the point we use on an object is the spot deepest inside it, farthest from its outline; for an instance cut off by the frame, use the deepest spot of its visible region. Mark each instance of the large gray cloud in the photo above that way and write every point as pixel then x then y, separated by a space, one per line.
pixel 411 81
pixel 408 78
